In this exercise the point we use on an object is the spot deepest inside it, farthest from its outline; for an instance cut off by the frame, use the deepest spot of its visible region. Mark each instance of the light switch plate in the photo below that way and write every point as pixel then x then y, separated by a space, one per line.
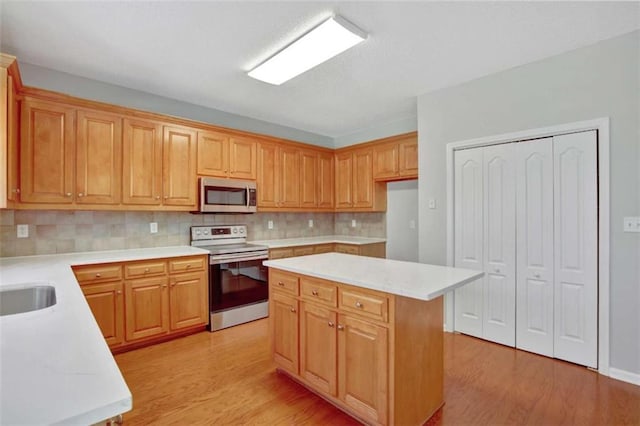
pixel 631 224
pixel 310 223
pixel 270 224
pixel 432 203
pixel 23 231
pixel 153 227
pixel 353 223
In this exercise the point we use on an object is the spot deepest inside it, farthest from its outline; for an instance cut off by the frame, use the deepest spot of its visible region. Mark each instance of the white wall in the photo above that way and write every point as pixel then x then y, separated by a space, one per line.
pixel 402 213
pixel 602 80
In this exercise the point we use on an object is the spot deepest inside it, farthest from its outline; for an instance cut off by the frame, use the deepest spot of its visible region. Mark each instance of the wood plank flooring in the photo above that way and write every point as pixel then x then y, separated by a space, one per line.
pixel 228 378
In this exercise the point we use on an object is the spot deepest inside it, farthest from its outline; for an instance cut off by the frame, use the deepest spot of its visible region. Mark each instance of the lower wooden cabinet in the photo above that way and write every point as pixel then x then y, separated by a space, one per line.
pixel 145 301
pixel 377 356
pixel 372 250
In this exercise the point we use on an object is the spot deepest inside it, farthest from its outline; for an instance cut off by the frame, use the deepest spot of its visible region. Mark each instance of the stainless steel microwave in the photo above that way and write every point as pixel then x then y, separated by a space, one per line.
pixel 227 196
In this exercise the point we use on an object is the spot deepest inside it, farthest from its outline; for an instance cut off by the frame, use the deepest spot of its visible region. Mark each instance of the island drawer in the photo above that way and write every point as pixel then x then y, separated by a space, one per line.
pixel 90 274
pixel 318 290
pixel 283 281
pixel 368 304
pixel 145 269
pixel 187 264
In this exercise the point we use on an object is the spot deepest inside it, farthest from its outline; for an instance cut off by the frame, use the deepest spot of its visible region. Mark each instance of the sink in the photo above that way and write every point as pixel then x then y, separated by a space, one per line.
pixel 26 299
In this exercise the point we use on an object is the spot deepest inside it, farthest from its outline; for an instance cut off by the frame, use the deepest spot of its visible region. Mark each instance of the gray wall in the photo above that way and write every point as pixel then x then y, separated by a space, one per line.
pixel 45 78
pixel 402 213
pixel 383 130
pixel 601 80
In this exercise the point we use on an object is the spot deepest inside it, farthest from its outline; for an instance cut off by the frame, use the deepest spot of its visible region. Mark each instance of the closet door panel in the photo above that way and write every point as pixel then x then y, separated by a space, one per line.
pixel 534 251
pixel 576 248
pixel 468 230
pixel 499 244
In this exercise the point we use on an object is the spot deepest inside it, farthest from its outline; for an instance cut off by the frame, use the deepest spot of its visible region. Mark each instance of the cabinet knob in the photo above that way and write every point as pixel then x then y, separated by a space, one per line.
pixel 16 190
pixel 359 305
pixel 80 194
pixel 280 283
pixel 157 197
pixel 314 292
pixel 497 270
pixel 164 286
pixel 330 324
pixel 68 194
pixel 98 275
pixel 146 270
pixel 293 310
pixel 340 327
pixel 119 292
pixel 188 266
pixel 536 275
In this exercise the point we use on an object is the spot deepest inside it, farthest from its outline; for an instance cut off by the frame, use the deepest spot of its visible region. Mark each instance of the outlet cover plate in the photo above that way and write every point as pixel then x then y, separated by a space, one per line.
pixel 22 231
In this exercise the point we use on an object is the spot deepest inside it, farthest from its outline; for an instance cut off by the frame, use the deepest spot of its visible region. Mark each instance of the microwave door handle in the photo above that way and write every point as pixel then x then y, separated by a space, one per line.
pixel 248 195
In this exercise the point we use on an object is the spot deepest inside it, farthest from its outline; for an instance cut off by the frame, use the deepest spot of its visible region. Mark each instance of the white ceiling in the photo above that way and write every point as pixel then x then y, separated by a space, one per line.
pixel 199 52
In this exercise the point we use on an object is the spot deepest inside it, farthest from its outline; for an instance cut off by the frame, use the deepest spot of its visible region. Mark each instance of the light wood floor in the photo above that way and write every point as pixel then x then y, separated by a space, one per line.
pixel 227 378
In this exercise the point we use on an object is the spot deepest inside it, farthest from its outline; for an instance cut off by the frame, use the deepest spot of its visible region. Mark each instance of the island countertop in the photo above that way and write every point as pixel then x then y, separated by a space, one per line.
pixel 415 280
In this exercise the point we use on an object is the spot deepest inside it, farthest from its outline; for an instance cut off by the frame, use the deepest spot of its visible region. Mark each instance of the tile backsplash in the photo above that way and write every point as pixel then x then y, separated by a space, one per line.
pixel 72 231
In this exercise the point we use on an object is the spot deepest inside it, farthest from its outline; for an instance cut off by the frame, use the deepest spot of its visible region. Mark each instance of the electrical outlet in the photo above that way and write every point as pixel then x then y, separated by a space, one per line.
pixel 353 223
pixel 153 227
pixel 23 231
pixel 310 223
pixel 631 224
pixel 432 203
pixel 270 224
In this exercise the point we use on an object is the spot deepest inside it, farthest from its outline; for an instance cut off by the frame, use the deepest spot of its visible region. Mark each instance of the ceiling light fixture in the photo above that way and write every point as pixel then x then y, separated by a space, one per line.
pixel 330 38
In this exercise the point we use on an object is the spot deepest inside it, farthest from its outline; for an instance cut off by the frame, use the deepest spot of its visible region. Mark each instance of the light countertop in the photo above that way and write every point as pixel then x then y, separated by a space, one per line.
pixel 55 366
pixel 415 280
pixel 324 239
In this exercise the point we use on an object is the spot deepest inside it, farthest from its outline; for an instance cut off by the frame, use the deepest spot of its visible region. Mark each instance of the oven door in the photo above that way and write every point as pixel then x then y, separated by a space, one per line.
pixel 238 283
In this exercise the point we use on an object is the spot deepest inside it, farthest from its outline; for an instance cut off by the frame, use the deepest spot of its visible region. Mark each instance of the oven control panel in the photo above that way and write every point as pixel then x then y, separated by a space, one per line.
pixel 218 232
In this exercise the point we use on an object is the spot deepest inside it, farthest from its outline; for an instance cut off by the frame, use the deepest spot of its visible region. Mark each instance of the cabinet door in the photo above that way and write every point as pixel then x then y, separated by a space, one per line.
pixel 363 178
pixel 326 178
pixel 141 162
pixel 344 180
pixel 188 300
pixel 268 179
pixel 47 152
pixel 242 158
pixel 468 231
pixel 385 161
pixel 98 158
pixel 308 178
pixel 13 125
pixel 213 154
pixel 534 250
pixel 147 308
pixel 408 158
pixel 363 368
pixel 289 177
pixel 179 181
pixel 107 305
pixel 318 347
pixel 283 321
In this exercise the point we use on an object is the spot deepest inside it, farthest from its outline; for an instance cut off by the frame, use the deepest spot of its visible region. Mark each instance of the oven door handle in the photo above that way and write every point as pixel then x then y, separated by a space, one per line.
pixel 217 260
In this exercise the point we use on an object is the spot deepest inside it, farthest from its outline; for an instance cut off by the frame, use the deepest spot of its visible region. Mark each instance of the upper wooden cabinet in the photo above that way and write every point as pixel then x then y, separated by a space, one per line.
pixel 223 155
pixel 47 152
pixel 289 169
pixel 355 187
pixel 396 158
pixel 309 178
pixel 325 180
pixel 268 182
pixel 179 182
pixel 142 162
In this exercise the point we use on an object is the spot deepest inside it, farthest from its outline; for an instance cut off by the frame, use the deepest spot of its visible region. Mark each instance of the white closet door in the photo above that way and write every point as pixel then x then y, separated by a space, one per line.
pixel 576 248
pixel 499 244
pixel 534 215
pixel 468 227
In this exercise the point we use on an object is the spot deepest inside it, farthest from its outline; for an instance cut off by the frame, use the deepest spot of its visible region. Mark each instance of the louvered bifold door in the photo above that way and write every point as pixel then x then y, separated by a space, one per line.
pixel 468 230
pixel 576 248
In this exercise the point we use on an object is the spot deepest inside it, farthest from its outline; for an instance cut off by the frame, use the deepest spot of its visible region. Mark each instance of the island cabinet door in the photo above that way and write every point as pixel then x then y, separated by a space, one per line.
pixel 363 368
pixel 107 305
pixel 146 307
pixel 318 347
pixel 284 328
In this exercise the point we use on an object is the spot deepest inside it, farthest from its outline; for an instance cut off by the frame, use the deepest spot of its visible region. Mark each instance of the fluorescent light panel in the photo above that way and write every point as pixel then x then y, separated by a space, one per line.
pixel 332 37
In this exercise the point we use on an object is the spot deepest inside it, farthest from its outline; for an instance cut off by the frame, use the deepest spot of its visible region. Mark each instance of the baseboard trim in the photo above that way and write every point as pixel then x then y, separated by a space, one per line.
pixel 625 376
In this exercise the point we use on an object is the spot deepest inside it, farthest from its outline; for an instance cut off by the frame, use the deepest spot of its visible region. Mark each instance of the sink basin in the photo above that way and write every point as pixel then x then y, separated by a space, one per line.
pixel 26 299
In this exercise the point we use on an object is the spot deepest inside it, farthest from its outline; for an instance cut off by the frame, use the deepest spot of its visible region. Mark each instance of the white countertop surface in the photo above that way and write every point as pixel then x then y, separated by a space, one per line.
pixel 55 366
pixel 324 239
pixel 415 280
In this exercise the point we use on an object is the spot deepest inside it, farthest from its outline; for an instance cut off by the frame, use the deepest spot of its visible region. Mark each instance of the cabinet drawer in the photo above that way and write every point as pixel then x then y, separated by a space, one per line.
pixel 323 248
pixel 97 273
pixel 188 264
pixel 280 253
pixel 145 269
pixel 283 281
pixel 348 249
pixel 317 290
pixel 367 304
pixel 303 251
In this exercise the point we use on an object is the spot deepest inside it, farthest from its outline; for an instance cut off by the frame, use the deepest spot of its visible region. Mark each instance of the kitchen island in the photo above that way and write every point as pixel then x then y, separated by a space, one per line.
pixel 366 334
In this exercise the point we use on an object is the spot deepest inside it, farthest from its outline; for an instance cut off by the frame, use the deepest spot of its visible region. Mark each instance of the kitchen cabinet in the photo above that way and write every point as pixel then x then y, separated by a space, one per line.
pixel 319 347
pixel 396 158
pixel 289 179
pixel 179 181
pixel 268 180
pixel 226 156
pixel 283 314
pixel 47 152
pixel 142 162
pixel 309 179
pixel 9 123
pixel 326 179
pixel 355 189
pixel 371 250
pixel 142 302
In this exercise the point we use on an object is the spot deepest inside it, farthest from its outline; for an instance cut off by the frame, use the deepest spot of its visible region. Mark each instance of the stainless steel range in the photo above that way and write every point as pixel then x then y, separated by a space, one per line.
pixel 238 282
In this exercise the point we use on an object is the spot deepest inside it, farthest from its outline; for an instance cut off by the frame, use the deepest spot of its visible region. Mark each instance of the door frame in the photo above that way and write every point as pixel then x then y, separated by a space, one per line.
pixel 602 126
